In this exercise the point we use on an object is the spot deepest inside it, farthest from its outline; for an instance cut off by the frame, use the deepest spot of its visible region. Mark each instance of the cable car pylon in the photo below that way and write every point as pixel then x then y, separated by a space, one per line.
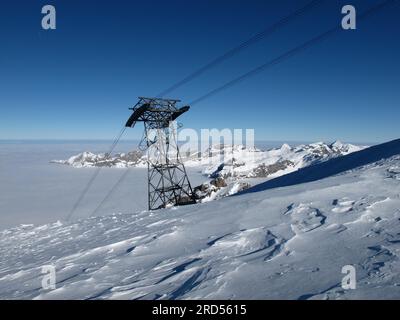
pixel 168 183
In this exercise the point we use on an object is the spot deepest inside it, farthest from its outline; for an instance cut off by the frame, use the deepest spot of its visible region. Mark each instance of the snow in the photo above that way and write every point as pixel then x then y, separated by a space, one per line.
pixel 245 159
pixel 239 167
pixel 240 161
pixel 232 163
pixel 287 238
pixel 120 160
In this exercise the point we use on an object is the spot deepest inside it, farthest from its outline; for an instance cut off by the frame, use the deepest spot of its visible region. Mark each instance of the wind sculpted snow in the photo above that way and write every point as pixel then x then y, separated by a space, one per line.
pixel 278 243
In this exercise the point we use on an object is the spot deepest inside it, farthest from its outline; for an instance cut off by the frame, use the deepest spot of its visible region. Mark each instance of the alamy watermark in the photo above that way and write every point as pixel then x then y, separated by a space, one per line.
pixel 213 145
pixel 349 281
pixel 49 278
pixel 49 18
pixel 348 21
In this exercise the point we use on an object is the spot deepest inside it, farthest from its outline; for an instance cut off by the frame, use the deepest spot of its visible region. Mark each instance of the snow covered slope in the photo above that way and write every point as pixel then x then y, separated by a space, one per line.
pixel 287 242
pixel 235 168
pixel 238 161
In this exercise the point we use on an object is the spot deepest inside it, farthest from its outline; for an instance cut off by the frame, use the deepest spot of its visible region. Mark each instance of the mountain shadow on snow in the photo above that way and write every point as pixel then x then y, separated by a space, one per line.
pixel 331 167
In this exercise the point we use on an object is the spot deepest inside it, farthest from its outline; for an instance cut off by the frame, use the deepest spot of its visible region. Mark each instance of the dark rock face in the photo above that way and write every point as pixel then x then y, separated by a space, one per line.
pixel 219 186
pixel 263 171
pixel 202 191
pixel 133 157
pixel 218 182
pixel 206 189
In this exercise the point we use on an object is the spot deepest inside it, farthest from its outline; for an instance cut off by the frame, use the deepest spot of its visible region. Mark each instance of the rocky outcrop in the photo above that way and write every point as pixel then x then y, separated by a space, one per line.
pixel 218 188
pixel 263 170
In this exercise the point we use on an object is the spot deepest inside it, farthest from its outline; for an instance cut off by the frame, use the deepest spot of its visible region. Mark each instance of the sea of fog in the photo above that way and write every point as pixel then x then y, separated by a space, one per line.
pixel 35 191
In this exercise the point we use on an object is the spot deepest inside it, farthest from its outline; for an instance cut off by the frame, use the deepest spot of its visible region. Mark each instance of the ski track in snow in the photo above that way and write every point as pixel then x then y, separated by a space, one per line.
pixel 287 243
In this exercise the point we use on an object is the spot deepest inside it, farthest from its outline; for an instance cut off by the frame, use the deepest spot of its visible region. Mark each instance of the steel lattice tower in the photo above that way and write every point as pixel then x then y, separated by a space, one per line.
pixel 168 183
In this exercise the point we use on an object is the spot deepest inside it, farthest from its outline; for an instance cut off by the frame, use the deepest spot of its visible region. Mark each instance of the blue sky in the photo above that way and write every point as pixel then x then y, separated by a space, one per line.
pixel 78 81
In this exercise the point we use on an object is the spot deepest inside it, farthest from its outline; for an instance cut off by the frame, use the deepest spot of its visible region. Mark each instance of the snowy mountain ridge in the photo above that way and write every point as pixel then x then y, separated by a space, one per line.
pixel 240 162
pixel 245 159
pixel 229 166
pixel 88 159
